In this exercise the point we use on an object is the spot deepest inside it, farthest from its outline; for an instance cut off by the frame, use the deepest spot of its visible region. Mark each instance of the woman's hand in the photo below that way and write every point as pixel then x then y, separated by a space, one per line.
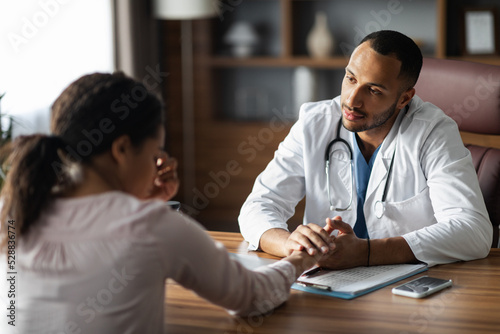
pixel 166 183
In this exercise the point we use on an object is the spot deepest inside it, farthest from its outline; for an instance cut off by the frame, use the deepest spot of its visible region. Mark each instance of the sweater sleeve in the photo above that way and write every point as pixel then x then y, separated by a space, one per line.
pixel 192 259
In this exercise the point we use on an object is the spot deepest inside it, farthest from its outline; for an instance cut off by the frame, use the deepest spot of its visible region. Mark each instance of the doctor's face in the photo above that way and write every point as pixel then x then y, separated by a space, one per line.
pixel 372 93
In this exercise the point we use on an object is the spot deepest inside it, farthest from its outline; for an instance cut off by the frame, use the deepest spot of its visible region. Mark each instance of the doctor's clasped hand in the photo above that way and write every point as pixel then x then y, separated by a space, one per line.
pixel 311 238
pixel 350 251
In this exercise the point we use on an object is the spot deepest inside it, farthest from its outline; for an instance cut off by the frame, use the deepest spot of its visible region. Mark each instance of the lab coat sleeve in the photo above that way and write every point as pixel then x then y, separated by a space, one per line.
pixel 277 190
pixel 463 230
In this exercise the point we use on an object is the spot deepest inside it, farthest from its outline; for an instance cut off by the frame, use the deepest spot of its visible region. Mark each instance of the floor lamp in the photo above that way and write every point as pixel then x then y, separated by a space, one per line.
pixel 186 10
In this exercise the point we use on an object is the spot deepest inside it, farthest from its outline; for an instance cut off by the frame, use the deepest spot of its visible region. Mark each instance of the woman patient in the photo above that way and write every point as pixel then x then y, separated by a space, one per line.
pixel 94 240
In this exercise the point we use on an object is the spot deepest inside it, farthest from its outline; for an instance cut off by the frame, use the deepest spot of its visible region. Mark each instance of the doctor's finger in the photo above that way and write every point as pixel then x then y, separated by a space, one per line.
pixel 291 246
pixel 324 234
pixel 311 240
pixel 329 227
pixel 304 242
pixel 338 224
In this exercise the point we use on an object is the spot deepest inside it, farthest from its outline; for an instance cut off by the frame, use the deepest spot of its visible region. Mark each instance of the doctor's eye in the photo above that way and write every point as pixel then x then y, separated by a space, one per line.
pixel 350 79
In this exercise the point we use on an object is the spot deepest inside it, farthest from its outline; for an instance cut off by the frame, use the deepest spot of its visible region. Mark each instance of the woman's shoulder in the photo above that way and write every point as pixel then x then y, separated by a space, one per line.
pixel 111 213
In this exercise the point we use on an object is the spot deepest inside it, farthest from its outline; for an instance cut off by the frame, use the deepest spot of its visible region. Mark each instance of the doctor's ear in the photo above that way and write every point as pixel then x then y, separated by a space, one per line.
pixel 405 98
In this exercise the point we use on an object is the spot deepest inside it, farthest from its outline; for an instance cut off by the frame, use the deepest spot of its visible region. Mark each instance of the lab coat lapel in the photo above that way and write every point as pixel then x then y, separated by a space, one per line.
pixel 380 170
pixel 383 161
pixel 344 173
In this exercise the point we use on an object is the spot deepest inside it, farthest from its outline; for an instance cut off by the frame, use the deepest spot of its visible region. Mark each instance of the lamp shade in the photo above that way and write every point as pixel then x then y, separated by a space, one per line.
pixel 185 9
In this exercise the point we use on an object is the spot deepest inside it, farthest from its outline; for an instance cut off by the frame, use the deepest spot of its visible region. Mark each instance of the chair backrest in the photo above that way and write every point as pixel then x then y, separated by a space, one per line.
pixel 470 94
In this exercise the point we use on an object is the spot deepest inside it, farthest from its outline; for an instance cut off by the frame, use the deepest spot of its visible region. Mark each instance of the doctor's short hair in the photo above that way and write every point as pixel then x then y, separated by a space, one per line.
pixel 389 42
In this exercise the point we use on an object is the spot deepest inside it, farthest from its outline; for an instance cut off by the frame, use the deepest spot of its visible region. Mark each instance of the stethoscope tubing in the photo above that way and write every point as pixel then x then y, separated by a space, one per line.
pixel 338 139
pixel 380 204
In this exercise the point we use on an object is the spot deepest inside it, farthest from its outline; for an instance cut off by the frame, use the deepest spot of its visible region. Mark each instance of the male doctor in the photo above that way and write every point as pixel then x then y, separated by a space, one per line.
pixel 401 186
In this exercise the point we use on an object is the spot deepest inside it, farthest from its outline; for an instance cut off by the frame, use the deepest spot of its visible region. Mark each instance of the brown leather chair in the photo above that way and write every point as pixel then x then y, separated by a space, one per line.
pixel 470 94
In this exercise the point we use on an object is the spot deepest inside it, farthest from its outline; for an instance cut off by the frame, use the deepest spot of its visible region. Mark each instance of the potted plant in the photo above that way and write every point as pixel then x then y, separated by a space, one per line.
pixel 6 122
pixel 5 127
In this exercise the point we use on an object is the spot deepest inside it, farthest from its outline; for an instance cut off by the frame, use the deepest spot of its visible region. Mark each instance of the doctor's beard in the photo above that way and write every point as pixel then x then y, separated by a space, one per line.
pixel 378 120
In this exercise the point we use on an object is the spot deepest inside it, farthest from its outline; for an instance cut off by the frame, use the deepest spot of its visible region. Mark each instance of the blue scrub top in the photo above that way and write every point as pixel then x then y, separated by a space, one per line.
pixel 362 172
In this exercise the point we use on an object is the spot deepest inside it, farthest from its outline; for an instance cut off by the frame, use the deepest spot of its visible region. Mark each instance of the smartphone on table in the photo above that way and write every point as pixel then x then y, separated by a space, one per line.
pixel 421 287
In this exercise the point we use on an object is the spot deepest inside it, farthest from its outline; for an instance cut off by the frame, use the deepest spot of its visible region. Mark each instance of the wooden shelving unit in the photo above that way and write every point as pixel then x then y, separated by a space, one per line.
pixel 249 143
pixel 333 62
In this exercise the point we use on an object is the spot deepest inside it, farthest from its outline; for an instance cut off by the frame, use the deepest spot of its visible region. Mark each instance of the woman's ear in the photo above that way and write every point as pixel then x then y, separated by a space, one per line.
pixel 121 148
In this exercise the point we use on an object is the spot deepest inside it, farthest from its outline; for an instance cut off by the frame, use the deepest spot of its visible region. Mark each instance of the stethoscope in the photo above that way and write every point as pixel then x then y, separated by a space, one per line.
pixel 327 169
pixel 379 207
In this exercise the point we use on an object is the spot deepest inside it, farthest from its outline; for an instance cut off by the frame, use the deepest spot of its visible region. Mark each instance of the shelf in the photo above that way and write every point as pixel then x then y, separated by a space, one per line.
pixel 331 63
pixel 238 100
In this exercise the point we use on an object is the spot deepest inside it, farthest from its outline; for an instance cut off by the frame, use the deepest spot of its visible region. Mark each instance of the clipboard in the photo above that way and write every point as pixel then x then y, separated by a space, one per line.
pixel 354 282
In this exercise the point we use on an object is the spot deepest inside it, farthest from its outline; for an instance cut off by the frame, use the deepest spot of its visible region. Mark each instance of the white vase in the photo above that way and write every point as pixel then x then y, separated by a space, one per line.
pixel 320 41
pixel 304 87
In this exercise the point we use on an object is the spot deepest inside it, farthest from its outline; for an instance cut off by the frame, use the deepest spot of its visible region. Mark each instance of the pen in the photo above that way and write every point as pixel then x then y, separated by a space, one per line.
pixel 312 271
pixel 315 286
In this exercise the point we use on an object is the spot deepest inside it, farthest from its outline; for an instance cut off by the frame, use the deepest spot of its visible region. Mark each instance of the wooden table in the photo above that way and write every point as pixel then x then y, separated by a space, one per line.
pixel 472 305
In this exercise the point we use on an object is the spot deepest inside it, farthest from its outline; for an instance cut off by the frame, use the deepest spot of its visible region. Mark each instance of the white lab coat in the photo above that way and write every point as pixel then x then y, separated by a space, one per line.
pixel 433 197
